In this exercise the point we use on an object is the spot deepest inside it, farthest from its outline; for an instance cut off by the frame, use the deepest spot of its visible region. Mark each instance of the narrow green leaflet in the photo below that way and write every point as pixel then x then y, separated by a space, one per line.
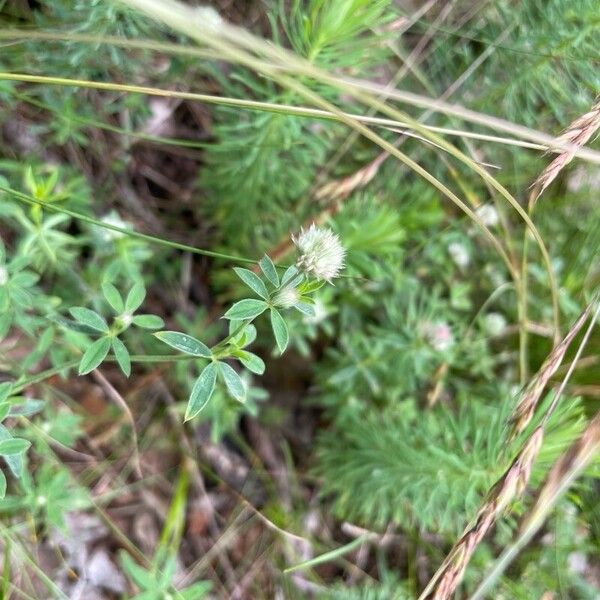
pixel 246 309
pixel 94 355
pixel 14 461
pixel 2 485
pixel 311 286
pixel 280 330
pixel 305 308
pixel 253 281
pixel 148 321
pixel 251 361
pixel 13 446
pixel 4 410
pixel 25 407
pixel 5 390
pixel 141 577
pixel 113 297
pixel 89 317
pixel 288 275
pixel 135 297
pixel 196 590
pixel 122 355
pixel 202 391
pixel 268 268
pixel 184 343
pixel 234 383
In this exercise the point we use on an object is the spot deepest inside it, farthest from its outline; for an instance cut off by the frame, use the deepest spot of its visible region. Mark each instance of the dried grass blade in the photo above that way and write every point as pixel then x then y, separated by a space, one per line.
pixel 523 412
pixel 566 469
pixel 509 487
pixel 576 135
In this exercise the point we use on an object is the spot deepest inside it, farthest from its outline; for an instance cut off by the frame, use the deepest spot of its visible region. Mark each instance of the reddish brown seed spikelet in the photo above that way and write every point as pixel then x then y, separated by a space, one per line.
pixel 524 410
pixel 577 134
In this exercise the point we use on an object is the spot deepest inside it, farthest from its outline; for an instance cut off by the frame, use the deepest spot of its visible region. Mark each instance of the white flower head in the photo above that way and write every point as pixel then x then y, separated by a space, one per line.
pixel 488 215
pixel 438 335
pixel 287 297
pixel 127 318
pixel 459 254
pixel 321 252
pixel 494 323
pixel 113 218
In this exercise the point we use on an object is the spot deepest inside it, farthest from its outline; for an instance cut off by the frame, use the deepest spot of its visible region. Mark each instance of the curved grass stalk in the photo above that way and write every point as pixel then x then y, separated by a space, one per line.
pixel 524 137
pixel 285 109
pixel 131 233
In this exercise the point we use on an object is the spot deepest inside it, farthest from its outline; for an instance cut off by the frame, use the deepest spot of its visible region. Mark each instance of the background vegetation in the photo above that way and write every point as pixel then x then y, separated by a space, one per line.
pixel 152 153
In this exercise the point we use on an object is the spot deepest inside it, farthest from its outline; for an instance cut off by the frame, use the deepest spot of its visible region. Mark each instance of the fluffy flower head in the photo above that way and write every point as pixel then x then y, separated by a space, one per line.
pixel 438 335
pixel 488 215
pixel 287 297
pixel 459 254
pixel 494 323
pixel 321 252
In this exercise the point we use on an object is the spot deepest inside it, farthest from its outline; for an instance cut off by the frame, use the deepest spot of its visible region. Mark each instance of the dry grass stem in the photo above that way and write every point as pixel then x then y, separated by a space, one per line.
pixel 524 410
pixel 567 467
pixel 509 487
pixel 565 470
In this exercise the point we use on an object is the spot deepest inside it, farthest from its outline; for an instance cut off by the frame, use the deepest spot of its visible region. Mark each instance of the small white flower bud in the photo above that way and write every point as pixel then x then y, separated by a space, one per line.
pixel 321 253
pixel 287 297
pixel 488 215
pixel 459 254
pixel 3 276
pixel 438 335
pixel 114 219
pixel 494 323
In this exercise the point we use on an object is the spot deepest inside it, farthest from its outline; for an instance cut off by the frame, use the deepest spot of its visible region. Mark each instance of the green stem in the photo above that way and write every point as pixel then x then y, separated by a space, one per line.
pixel 131 233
